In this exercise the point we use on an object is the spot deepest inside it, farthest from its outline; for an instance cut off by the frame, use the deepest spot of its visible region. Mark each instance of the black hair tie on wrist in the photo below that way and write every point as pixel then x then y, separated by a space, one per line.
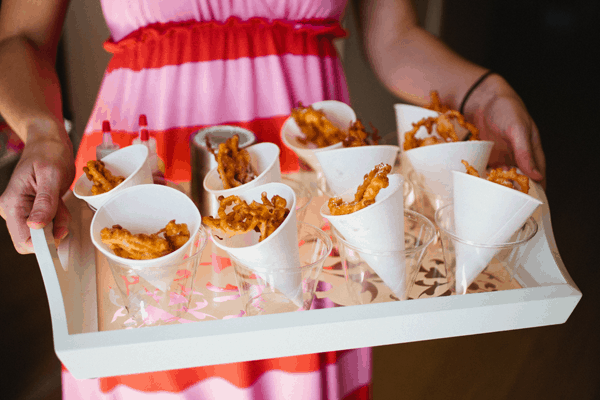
pixel 469 92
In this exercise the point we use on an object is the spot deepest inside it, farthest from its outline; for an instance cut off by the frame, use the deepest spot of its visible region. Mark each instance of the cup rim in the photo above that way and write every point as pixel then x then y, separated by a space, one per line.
pixel 107 194
pixel 200 250
pixel 200 134
pixel 325 238
pixel 506 245
pixel 409 251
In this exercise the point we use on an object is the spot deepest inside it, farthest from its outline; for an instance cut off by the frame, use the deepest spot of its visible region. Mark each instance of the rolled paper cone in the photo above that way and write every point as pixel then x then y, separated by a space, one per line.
pixel 130 162
pixel 264 158
pixel 345 168
pixel 485 213
pixel 146 209
pixel 378 228
pixel 339 113
pixel 435 163
pixel 277 252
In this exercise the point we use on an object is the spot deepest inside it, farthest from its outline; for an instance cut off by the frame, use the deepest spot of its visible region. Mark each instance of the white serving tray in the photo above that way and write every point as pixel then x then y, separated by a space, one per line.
pixel 547 297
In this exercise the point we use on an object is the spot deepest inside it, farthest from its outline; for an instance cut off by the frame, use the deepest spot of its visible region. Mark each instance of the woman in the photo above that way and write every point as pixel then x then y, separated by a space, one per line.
pixel 198 63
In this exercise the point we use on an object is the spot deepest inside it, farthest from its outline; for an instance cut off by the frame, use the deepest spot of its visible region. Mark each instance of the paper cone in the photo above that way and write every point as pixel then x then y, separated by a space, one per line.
pixel 264 158
pixel 485 213
pixel 435 163
pixel 378 228
pixel 339 113
pixel 274 254
pixel 345 168
pixel 130 162
pixel 146 209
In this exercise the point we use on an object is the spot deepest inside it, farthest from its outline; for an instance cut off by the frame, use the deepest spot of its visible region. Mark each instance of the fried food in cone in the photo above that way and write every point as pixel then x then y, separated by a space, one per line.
pixel 358 136
pixel 365 195
pixel 103 180
pixel 502 177
pixel 444 126
pixel 233 164
pixel 264 218
pixel 142 246
pixel 316 127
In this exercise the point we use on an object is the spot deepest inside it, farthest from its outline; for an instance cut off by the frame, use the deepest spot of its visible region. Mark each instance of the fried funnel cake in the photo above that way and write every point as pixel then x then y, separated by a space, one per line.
pixel 142 246
pixel 233 164
pixel 358 136
pixel 504 178
pixel 103 180
pixel 264 218
pixel 365 194
pixel 444 126
pixel 436 104
pixel 316 127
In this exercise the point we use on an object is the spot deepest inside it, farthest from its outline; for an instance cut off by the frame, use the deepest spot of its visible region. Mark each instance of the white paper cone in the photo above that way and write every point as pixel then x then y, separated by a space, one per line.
pixel 485 213
pixel 264 158
pixel 345 168
pixel 378 228
pixel 130 162
pixel 146 209
pixel 278 251
pixel 339 113
pixel 435 163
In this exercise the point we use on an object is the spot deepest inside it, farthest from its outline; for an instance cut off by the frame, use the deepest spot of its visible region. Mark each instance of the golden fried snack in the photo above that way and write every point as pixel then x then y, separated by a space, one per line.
pixel 243 217
pixel 316 127
pixel 142 246
pixel 233 164
pixel 504 178
pixel 365 194
pixel 103 180
pixel 358 136
pixel 436 104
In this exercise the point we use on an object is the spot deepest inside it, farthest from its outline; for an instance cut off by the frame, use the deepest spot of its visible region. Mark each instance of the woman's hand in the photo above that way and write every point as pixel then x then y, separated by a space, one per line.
pixel 501 117
pixel 32 198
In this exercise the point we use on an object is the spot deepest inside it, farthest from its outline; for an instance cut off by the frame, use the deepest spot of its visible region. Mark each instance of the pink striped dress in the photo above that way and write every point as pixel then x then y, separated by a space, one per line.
pixel 196 63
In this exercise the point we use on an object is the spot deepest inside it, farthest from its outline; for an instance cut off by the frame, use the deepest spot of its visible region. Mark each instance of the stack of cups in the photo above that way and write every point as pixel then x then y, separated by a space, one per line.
pixel 155 291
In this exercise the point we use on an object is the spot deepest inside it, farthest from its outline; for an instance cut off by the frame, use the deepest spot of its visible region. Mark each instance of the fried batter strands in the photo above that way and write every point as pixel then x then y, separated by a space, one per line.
pixel 233 164
pixel 243 217
pixel 502 177
pixel 103 180
pixel 316 127
pixel 365 194
pixel 358 136
pixel 143 246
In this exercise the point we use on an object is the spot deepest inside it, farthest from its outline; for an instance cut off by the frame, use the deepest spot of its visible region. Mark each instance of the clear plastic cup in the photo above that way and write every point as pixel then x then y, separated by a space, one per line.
pixel 303 195
pixel 465 260
pixel 158 294
pixel 256 287
pixel 426 201
pixel 364 284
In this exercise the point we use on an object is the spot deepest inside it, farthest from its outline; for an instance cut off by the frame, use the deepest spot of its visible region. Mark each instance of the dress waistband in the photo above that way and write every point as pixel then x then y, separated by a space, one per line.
pixel 175 43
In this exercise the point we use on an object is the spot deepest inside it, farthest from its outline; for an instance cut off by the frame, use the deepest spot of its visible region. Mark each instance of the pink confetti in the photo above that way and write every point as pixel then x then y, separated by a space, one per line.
pixel 228 288
pixel 121 312
pixel 219 263
pixel 221 299
pixel 184 274
pixel 176 298
pixel 241 314
pixel 135 279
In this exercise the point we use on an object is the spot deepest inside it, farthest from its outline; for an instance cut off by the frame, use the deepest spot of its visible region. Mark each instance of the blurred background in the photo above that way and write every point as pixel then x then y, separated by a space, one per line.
pixel 545 50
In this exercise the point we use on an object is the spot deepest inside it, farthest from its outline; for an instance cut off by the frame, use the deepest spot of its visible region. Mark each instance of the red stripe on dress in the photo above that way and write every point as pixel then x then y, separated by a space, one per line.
pixel 362 393
pixel 175 43
pixel 242 375
pixel 175 152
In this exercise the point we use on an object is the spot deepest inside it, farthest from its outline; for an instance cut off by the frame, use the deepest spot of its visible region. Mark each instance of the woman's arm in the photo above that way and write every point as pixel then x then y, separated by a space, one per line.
pixel 30 101
pixel 411 62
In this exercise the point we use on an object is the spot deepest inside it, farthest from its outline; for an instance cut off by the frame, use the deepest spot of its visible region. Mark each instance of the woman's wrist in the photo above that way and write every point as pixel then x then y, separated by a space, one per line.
pixel 490 89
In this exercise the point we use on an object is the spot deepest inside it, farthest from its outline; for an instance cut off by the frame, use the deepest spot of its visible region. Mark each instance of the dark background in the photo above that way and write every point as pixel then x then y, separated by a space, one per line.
pixel 547 50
